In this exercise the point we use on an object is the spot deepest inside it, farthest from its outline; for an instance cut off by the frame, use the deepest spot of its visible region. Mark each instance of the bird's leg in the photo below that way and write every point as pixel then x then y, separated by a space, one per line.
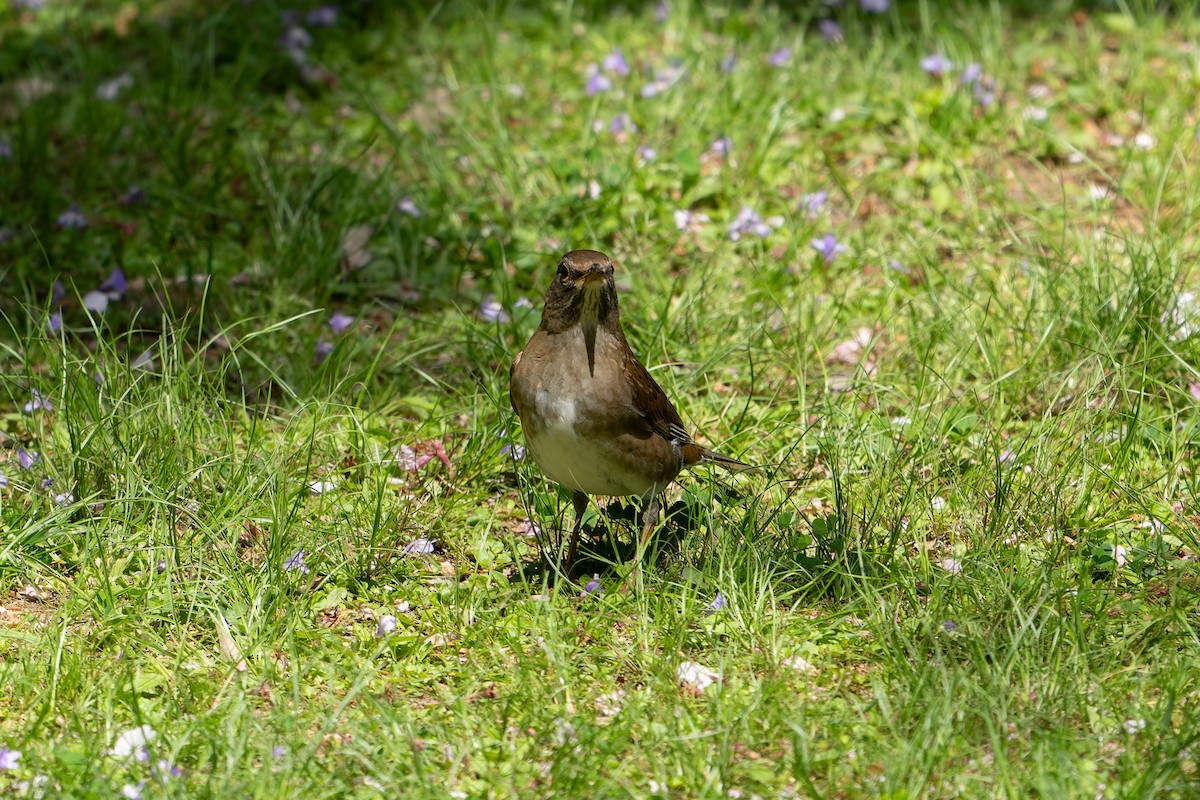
pixel 580 500
pixel 649 520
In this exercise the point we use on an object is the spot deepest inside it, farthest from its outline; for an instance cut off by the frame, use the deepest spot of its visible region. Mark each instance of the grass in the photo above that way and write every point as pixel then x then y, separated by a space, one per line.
pixel 970 569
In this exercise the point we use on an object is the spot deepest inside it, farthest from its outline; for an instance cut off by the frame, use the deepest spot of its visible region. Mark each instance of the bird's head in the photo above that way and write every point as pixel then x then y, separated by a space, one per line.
pixel 583 291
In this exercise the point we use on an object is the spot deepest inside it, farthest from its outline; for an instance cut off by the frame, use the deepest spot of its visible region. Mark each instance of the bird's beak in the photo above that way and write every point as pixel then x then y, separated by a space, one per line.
pixel 593 275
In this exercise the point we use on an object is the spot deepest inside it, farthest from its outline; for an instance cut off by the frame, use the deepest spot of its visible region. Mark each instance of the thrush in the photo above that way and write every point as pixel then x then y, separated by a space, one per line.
pixel 593 418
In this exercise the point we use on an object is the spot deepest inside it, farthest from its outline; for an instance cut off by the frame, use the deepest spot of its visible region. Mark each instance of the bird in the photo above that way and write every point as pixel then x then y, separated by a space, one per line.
pixel 593 418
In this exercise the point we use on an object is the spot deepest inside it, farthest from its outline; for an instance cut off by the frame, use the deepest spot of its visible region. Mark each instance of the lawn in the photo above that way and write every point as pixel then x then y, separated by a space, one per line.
pixel 266 527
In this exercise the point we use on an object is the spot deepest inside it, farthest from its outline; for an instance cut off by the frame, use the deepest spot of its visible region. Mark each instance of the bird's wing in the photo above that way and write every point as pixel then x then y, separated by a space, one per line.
pixel 652 404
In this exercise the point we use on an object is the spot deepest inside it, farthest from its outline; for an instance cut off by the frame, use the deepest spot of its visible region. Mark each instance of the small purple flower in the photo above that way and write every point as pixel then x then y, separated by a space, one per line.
pixel 111 89
pixel 339 323
pixel 322 16
pixel 615 63
pixel 716 605
pixel 295 39
pixel 116 283
pixel 661 12
pixel 279 751
pixel 160 567
pixel 874 6
pixel 984 91
pixel 6 150
pixel 828 247
pixel 163 770
pixel 9 759
pixel 58 293
pixel 780 57
pixel 387 624
pixel 830 31
pixel 131 792
pixel 664 79
pixel 728 63
pixel 686 219
pixel 490 310
pixel 936 65
pixel 971 73
pixel 407 206
pixel 813 203
pixel 134 195
pixel 72 219
pixel 323 349
pixel 622 123
pixel 597 82
pixel 517 451
pixel 39 403
pixel 592 587
pixel 144 361
pixel 949 626
pixel 296 562
pixel 27 458
pixel 647 153
pixel 420 547
pixel 3 481
pixel 749 222
pixel 28 5
pixel 47 483
pixel 721 146
pixel 64 499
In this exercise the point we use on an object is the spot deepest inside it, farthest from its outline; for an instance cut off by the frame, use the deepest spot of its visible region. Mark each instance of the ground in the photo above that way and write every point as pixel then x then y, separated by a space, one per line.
pixel 268 530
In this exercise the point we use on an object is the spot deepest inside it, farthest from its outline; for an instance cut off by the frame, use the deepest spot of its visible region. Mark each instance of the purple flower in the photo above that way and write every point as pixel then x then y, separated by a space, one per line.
pixel 971 73
pixel 813 203
pixel 828 247
pixel 490 310
pixel 64 499
pixel 9 758
pixel 749 222
pixel 279 751
pixel 163 770
pixel 420 547
pixel 132 792
pixel 27 458
pixel 664 79
pixel 47 483
pixel 622 123
pixel 38 403
pixel 716 605
pixel 116 283
pixel 984 91
pixel 829 30
pixel 296 562
pixel 295 39
pixel 646 152
pixel 662 11
pixel 721 146
pixel 323 349
pixel 518 452
pixel 322 16
pixel 58 293
pixel 874 6
pixel 72 219
pixel 592 587
pixel 780 57
pixel 949 626
pixel 387 624
pixel 407 206
pixel 3 481
pixel 111 89
pixel 339 323
pixel 686 219
pixel 144 361
pixel 615 63
pixel 134 195
pixel 5 149
pixel 728 63
pixel 597 82
pixel 936 65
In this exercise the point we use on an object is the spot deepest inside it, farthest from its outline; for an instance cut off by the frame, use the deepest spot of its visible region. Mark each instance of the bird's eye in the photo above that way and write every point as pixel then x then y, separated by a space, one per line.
pixel 562 272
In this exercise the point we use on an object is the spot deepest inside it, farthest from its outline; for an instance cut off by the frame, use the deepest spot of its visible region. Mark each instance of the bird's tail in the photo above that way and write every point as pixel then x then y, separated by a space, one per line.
pixel 731 464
